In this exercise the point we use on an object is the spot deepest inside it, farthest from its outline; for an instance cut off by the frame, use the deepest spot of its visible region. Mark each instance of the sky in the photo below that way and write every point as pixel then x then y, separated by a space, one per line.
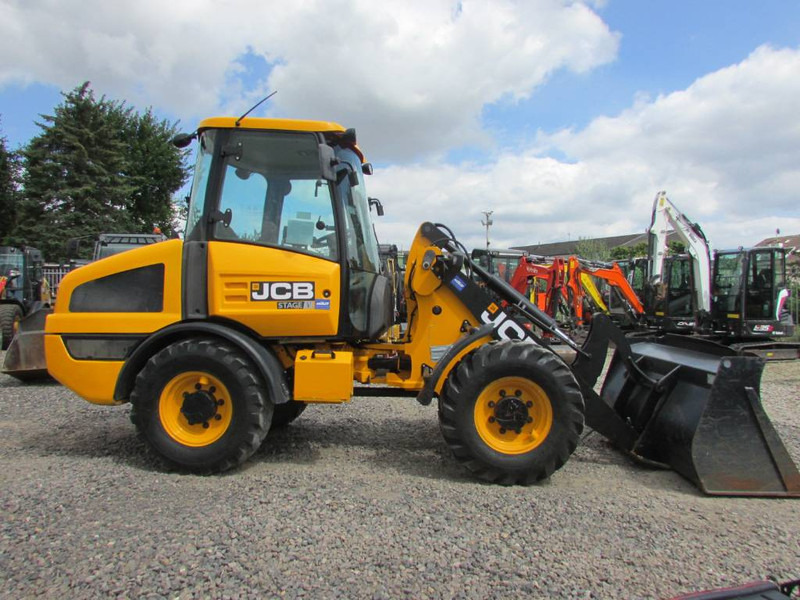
pixel 562 117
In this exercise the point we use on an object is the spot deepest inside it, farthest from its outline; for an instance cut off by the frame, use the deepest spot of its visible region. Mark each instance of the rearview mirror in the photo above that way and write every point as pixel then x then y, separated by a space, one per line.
pixel 377 204
pixel 327 160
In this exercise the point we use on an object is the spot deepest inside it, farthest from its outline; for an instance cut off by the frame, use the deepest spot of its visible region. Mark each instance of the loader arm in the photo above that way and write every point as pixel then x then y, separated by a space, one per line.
pixel 687 403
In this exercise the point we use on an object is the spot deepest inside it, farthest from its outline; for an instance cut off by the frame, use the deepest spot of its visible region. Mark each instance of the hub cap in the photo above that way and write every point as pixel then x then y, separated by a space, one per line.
pixel 195 408
pixel 513 415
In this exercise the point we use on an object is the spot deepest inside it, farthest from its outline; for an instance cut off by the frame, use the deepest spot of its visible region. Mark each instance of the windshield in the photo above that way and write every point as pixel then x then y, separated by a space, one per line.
pixel 201 170
pixel 728 282
pixel 362 245
pixel 9 261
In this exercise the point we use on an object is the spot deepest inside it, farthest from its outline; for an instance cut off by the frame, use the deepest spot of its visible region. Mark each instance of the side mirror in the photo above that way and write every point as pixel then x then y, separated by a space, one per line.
pixel 367 169
pixel 377 204
pixel 183 139
pixel 327 160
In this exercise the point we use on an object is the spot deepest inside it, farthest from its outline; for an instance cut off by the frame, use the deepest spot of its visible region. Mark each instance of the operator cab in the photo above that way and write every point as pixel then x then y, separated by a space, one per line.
pixel 749 293
pixel 297 187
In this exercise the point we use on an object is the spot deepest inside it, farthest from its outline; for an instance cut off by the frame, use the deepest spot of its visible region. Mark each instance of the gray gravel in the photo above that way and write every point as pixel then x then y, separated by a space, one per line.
pixel 363 501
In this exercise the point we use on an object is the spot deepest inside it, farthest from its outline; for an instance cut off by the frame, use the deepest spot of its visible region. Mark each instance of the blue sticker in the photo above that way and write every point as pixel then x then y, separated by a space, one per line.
pixel 323 305
pixel 459 283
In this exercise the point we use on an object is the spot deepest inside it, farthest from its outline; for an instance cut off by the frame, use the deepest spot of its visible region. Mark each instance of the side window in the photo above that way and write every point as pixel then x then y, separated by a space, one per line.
pixel 244 194
pixel 275 197
pixel 307 221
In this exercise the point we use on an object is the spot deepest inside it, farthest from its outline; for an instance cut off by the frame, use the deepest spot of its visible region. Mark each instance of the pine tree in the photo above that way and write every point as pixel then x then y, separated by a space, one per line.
pixel 155 169
pixel 9 179
pixel 96 167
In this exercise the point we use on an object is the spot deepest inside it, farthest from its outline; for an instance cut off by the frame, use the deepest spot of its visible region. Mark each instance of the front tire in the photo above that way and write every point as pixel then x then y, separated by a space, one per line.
pixel 201 404
pixel 511 412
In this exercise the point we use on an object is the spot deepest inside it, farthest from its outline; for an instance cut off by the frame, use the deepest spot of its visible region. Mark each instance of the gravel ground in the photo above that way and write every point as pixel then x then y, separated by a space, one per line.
pixel 363 501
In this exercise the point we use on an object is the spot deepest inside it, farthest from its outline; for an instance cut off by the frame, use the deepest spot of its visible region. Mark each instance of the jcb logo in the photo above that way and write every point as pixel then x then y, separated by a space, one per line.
pixel 281 290
pixel 506 328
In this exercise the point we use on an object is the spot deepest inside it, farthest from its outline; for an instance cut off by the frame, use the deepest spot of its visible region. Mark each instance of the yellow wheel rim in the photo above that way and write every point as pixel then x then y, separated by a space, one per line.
pixel 207 402
pixel 513 415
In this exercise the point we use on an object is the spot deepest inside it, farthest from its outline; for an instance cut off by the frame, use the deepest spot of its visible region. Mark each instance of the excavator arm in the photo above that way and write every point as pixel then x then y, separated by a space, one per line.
pixel 666 216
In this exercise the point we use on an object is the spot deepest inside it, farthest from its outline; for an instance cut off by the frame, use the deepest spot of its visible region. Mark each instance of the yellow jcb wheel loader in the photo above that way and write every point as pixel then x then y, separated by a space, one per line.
pixel 276 299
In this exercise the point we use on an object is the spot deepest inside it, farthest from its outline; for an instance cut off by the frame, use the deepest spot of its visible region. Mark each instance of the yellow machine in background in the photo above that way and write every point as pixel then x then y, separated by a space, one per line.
pixel 276 299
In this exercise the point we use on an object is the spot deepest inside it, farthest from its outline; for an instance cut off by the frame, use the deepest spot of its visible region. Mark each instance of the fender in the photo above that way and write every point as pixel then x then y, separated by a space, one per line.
pixel 448 361
pixel 264 360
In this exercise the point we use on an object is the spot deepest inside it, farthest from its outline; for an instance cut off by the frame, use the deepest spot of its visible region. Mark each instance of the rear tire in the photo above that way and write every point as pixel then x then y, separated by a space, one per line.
pixel 284 414
pixel 511 412
pixel 201 404
pixel 10 316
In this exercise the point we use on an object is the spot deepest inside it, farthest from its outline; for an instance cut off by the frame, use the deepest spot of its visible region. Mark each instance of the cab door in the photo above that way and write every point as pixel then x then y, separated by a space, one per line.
pixel 273 254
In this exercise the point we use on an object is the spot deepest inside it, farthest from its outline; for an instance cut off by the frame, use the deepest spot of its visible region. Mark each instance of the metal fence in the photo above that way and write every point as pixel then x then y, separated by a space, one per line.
pixel 54 273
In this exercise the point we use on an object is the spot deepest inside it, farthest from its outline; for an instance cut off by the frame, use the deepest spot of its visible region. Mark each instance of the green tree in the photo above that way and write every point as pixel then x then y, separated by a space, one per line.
pixel 155 169
pixel 97 166
pixel 9 182
pixel 592 249
pixel 627 252
pixel 676 247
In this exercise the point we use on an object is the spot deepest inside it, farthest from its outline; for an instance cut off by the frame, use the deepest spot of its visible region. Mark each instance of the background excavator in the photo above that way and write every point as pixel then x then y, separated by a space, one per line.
pixel 276 298
pixel 738 297
pixel 570 290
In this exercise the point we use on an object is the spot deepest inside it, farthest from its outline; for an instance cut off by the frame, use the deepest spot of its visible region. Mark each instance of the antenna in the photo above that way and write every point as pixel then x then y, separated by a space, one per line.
pixel 259 103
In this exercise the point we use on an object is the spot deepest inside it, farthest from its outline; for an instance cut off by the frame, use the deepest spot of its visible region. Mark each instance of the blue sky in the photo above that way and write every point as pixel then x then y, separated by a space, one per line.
pixel 516 107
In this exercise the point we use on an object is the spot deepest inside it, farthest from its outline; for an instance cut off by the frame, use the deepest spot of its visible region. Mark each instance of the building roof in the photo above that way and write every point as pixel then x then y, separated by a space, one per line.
pixel 569 248
pixel 792 245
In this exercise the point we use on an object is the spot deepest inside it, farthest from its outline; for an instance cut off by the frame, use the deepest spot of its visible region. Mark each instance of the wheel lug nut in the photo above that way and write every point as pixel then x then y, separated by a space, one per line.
pixel 502 430
pixel 212 389
pixel 197 386
pixel 491 419
pixel 502 393
pixel 220 402
pixel 530 420
pixel 218 417
pixel 529 404
pixel 518 393
pixel 205 424
pixel 491 403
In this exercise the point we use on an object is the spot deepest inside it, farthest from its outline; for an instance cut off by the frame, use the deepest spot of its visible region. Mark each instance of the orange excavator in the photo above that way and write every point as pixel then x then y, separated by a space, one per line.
pixel 568 290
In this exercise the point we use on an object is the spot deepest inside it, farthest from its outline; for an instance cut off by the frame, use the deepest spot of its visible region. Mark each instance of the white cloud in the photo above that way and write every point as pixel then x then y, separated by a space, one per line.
pixel 414 75
pixel 726 149
pixel 414 78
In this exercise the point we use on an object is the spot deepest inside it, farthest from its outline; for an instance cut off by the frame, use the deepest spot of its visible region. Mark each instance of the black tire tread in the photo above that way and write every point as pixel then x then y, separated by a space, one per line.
pixel 8 314
pixel 458 386
pixel 286 413
pixel 259 406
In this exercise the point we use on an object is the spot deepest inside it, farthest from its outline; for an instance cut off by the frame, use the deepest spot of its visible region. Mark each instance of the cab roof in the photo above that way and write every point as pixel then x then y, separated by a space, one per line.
pixel 274 124
pixel 332 131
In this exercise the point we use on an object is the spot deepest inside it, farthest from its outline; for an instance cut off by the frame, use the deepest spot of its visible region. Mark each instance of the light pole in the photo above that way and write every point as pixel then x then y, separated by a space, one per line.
pixel 486 224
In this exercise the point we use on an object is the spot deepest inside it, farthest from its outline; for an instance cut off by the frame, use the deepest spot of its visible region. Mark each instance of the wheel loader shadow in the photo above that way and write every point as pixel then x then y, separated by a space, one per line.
pixel 95 433
pixel 412 446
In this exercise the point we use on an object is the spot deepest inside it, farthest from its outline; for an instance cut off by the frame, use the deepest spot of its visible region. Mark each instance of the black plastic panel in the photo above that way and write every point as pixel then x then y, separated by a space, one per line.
pixel 101 348
pixel 135 291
